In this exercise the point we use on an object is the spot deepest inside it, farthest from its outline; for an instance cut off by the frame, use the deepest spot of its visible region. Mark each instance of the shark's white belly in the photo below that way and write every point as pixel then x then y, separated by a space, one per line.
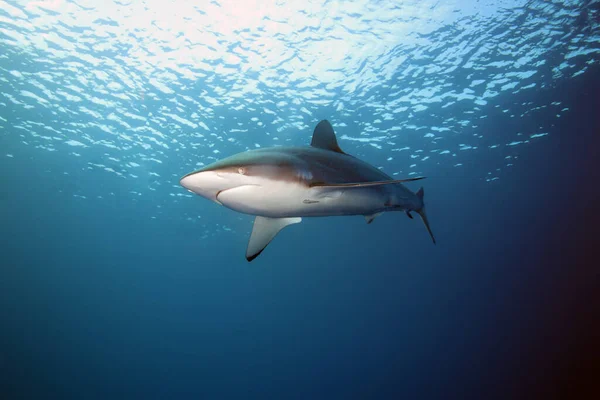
pixel 286 199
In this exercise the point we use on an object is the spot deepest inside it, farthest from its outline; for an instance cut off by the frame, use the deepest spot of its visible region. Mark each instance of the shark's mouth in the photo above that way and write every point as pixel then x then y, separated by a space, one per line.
pixel 236 196
pixel 216 199
pixel 221 192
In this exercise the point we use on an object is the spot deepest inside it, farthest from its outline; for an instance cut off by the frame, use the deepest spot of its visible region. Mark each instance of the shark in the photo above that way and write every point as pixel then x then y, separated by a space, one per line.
pixel 281 185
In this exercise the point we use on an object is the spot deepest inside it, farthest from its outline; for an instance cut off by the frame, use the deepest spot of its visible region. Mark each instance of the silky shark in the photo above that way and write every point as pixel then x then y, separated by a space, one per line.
pixel 280 185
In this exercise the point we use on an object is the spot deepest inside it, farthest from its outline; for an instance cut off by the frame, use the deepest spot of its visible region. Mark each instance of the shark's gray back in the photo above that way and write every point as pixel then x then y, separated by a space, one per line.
pixel 315 166
pixel 332 167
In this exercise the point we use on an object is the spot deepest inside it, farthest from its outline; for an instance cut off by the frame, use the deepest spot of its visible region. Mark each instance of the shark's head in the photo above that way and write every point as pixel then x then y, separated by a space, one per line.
pixel 250 169
pixel 209 183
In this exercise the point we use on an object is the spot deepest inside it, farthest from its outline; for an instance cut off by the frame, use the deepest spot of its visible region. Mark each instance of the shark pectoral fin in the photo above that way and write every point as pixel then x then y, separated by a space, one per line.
pixel 370 218
pixel 364 184
pixel 263 231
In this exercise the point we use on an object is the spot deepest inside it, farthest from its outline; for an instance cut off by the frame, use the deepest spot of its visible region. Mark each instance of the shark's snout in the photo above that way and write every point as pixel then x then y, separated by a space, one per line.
pixel 206 184
pixel 210 183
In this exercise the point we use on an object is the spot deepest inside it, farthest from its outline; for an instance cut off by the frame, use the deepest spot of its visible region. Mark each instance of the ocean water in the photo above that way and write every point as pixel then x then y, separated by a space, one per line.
pixel 117 283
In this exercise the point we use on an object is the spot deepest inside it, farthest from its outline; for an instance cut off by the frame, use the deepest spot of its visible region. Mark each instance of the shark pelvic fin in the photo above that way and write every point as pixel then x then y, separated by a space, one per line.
pixel 263 231
pixel 324 137
pixel 370 218
pixel 364 184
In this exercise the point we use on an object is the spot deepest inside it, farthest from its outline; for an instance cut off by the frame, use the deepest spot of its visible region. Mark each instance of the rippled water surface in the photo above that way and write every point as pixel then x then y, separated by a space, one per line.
pixel 117 283
pixel 137 93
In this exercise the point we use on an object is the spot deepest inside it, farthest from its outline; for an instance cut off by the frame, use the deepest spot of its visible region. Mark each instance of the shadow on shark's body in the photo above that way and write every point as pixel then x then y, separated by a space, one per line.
pixel 280 185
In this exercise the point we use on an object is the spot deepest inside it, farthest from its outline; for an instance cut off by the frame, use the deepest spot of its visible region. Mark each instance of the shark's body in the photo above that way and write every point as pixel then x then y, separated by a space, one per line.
pixel 282 184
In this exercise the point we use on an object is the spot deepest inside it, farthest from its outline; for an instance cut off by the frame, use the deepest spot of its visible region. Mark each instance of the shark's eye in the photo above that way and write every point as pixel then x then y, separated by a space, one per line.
pixel 241 170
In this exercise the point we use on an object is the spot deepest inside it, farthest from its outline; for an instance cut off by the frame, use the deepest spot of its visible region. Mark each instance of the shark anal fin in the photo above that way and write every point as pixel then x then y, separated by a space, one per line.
pixel 263 231
pixel 364 184
pixel 370 218
pixel 324 137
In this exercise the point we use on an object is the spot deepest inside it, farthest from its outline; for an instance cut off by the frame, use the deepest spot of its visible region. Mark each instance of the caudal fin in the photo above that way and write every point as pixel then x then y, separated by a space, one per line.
pixel 420 193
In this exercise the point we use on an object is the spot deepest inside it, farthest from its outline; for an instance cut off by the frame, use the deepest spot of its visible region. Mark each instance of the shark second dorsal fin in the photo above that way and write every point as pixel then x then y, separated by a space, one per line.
pixel 263 231
pixel 324 137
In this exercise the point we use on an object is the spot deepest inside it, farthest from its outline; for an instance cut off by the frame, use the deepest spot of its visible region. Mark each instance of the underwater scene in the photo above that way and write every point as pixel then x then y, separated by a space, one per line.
pixel 150 149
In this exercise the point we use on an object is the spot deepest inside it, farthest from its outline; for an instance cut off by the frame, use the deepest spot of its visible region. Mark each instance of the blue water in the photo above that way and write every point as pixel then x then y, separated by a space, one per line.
pixel 115 282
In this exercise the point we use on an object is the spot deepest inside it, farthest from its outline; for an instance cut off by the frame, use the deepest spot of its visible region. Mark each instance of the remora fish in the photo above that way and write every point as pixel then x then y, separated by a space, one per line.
pixel 280 185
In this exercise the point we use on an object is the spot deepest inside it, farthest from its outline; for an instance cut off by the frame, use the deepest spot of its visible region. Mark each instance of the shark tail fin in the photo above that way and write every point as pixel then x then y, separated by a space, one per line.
pixel 420 193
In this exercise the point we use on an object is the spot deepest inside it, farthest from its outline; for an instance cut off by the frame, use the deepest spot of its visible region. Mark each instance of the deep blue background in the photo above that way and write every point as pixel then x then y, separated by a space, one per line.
pixel 98 301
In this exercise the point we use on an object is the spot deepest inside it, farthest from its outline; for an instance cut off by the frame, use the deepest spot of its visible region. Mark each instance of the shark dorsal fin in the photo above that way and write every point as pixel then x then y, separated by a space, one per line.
pixel 324 137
